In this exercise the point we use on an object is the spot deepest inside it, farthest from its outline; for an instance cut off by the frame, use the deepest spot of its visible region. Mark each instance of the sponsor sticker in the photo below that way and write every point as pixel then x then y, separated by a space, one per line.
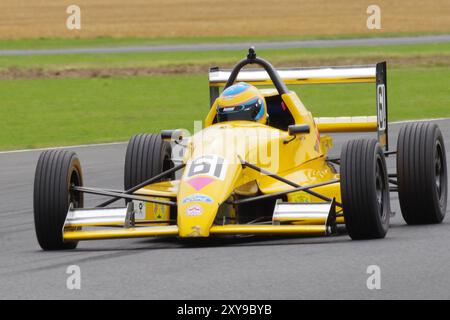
pixel 300 197
pixel 144 210
pixel 139 209
pixel 194 210
pixel 197 197
pixel 160 211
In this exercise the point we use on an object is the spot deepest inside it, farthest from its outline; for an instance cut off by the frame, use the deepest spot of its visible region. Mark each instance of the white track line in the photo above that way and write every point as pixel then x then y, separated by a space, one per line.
pixel 419 120
pixel 66 147
pixel 123 142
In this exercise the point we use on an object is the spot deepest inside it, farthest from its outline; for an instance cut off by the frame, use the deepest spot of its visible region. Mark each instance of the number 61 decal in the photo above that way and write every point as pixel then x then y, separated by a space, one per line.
pixel 209 165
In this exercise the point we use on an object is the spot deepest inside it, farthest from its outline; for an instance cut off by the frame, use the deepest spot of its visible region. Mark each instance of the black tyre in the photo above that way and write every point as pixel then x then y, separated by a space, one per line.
pixel 147 156
pixel 421 173
pixel 365 189
pixel 56 171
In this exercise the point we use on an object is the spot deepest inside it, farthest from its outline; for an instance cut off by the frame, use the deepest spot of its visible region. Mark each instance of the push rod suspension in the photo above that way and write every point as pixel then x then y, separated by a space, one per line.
pixel 121 195
pixel 292 184
pixel 142 184
pixel 282 193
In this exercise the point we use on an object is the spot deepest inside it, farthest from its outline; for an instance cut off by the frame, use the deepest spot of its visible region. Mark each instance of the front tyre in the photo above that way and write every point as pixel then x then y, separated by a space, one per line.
pixel 422 173
pixel 56 171
pixel 365 189
pixel 147 156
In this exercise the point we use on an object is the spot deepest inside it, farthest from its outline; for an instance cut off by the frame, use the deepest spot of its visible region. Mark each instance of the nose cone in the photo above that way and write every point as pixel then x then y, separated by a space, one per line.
pixel 214 169
pixel 208 180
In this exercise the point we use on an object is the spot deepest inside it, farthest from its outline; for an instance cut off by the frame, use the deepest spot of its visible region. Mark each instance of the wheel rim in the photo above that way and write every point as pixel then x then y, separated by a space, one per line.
pixel 380 186
pixel 439 174
pixel 75 198
pixel 168 164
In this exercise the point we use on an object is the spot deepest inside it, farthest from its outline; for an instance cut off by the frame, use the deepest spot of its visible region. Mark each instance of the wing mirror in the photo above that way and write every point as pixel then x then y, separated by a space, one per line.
pixel 296 129
pixel 172 135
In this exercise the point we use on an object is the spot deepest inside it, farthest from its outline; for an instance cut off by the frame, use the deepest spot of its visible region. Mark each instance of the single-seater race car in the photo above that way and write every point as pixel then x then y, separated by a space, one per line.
pixel 238 176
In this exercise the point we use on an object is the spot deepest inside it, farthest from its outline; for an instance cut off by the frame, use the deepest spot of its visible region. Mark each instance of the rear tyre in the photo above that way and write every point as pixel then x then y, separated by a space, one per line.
pixel 147 156
pixel 365 189
pixel 422 173
pixel 56 171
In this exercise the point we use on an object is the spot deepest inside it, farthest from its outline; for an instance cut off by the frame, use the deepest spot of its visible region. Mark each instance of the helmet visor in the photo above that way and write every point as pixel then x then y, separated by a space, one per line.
pixel 250 111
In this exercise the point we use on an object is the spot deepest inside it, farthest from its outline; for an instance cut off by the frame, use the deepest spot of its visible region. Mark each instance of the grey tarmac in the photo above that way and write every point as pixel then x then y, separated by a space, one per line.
pixel 414 260
pixel 237 46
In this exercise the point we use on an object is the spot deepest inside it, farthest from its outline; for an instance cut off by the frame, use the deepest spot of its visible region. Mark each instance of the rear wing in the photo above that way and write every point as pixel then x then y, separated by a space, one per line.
pixel 323 75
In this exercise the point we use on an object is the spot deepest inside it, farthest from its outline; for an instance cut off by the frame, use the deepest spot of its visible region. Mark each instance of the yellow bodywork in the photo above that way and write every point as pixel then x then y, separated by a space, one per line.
pixel 201 195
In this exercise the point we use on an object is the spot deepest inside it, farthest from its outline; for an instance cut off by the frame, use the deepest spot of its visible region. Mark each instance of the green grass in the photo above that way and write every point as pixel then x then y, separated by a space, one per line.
pixel 412 94
pixel 52 112
pixel 49 43
pixel 121 60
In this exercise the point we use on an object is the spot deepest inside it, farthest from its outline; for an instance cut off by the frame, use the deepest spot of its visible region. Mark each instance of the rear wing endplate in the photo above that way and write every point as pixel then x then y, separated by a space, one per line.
pixel 320 75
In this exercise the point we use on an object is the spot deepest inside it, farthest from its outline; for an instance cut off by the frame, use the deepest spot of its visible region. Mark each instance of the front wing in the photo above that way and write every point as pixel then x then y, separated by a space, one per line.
pixel 289 218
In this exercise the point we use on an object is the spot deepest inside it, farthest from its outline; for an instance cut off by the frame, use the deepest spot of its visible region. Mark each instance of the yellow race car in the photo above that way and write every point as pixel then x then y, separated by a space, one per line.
pixel 238 176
